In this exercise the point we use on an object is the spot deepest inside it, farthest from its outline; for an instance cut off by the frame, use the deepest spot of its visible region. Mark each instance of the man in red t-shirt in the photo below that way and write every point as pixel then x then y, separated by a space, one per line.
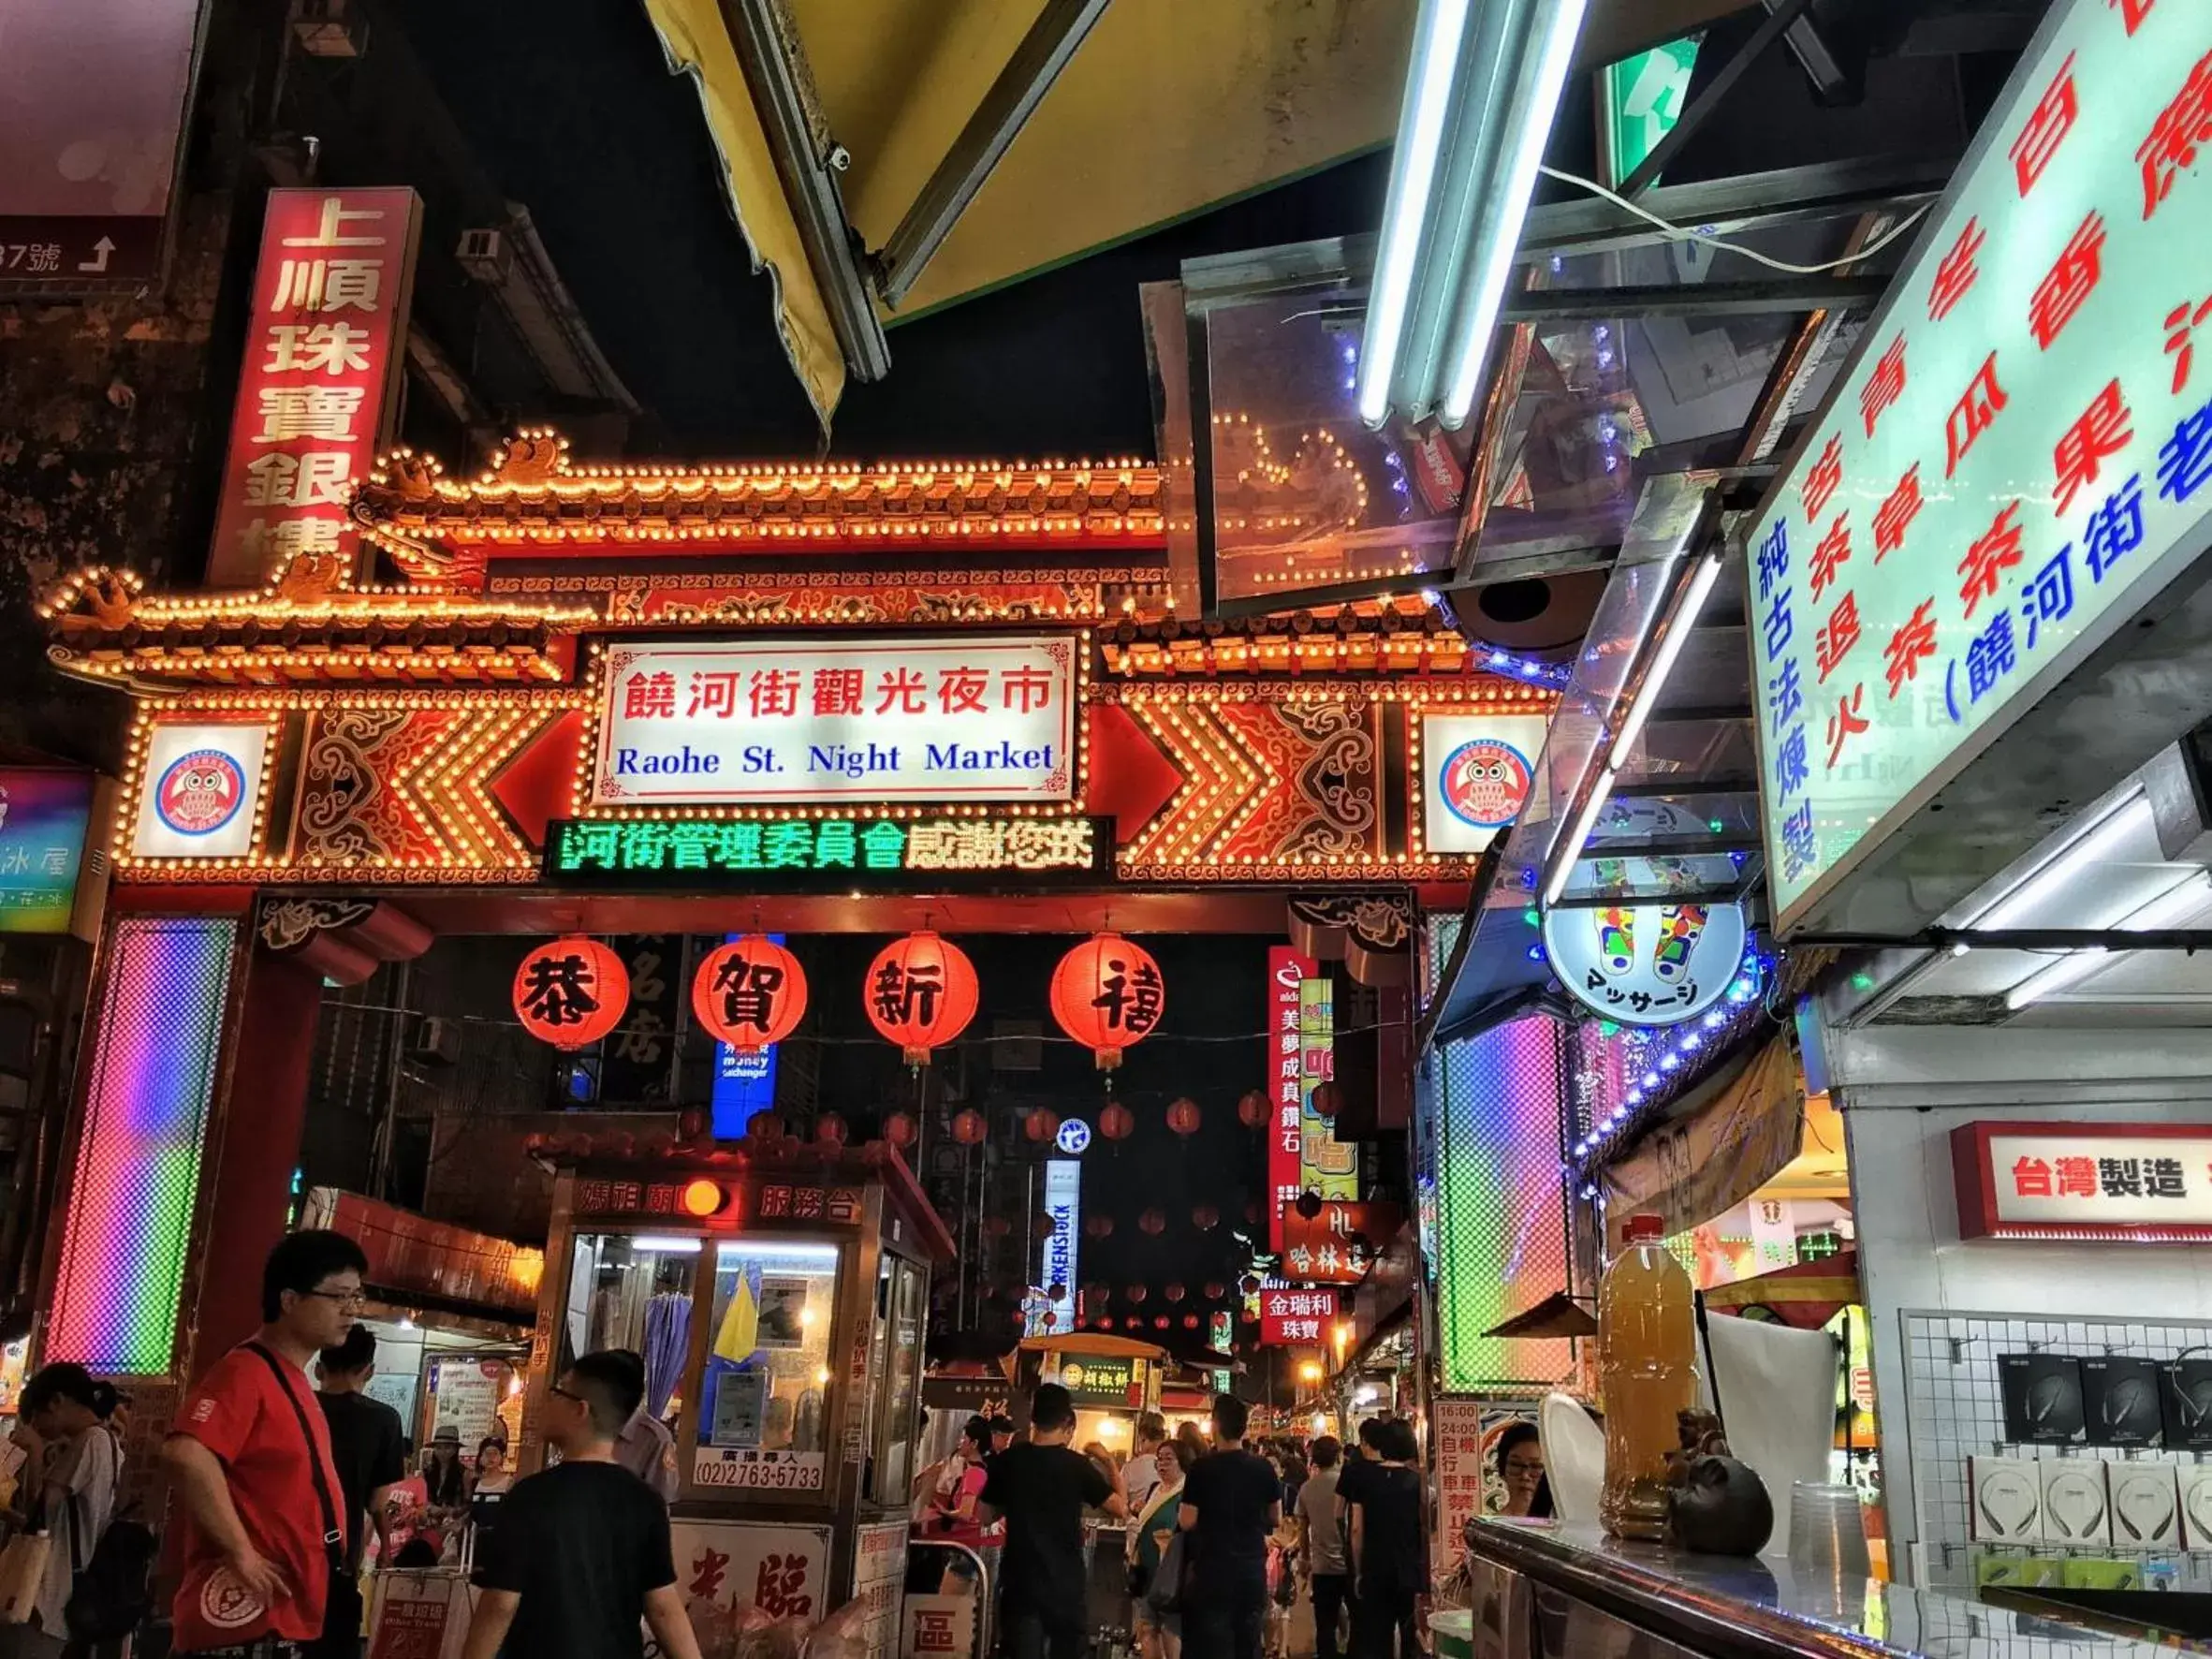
pixel 249 1455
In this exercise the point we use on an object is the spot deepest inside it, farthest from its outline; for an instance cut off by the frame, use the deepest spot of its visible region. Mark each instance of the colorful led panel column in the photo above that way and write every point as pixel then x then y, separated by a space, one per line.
pixel 137 1179
pixel 1501 1223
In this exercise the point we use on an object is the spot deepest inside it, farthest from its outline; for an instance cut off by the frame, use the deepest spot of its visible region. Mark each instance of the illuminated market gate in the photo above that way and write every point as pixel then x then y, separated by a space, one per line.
pixel 699 701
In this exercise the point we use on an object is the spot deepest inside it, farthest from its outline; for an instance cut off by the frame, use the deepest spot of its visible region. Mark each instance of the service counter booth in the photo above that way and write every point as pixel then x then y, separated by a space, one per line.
pixel 779 1295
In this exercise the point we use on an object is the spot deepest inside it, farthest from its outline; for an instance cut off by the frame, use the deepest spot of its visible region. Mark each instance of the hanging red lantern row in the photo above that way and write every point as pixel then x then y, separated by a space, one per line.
pixel 1107 994
pixel 1160 1322
pixel 1041 1125
pixel 1215 1290
pixel 1251 1109
pixel 968 1126
pixel 1133 1295
pixel 750 993
pixel 1189 1322
pixel 1175 1292
pixel 900 1130
pixel 1100 1227
pixel 1152 1222
pixel 1116 1121
pixel 1327 1100
pixel 1184 1117
pixel 921 993
pixel 571 993
pixel 830 1129
pixel 1205 1218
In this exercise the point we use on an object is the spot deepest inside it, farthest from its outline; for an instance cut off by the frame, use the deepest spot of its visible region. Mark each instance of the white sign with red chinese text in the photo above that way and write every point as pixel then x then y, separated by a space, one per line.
pixel 724 1567
pixel 1287 973
pixel 1457 1426
pixel 1296 1318
pixel 324 351
pixel 199 789
pixel 879 1579
pixel 2021 455
pixel 938 1627
pixel 761 722
pixel 2125 1182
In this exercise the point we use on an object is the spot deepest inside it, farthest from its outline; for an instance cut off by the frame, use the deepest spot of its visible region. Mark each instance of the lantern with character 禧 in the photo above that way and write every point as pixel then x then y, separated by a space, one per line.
pixel 750 993
pixel 1107 993
pixel 571 993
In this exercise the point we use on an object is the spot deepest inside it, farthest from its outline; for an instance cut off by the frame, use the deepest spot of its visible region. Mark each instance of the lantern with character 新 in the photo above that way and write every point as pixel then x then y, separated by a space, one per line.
pixel 571 993
pixel 750 993
pixel 921 993
pixel 1107 994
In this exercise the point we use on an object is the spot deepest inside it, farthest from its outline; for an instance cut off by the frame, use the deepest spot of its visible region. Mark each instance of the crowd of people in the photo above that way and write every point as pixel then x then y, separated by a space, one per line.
pixel 1222 1534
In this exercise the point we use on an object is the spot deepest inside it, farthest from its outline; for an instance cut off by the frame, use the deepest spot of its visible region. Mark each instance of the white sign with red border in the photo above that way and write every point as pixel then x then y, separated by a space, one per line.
pixel 199 789
pixel 2122 1182
pixel 725 1567
pixel 767 722
pixel 1476 774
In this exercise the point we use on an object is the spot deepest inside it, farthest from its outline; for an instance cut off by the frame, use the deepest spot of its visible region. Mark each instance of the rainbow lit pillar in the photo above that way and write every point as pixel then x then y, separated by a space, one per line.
pixel 136 1178
pixel 1500 1209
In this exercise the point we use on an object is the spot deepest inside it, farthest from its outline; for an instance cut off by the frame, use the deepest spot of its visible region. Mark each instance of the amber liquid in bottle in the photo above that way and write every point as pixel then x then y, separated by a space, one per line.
pixel 1647 1359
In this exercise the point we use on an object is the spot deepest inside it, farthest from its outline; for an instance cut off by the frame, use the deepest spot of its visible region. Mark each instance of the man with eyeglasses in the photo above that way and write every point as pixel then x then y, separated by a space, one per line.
pixel 249 1455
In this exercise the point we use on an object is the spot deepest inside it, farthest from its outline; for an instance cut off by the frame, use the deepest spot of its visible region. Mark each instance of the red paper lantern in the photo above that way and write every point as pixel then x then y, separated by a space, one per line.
pixel 1327 1100
pixel 968 1126
pixel 1133 1295
pixel 1184 1117
pixel 1215 1290
pixel 1041 1229
pixel 1152 1222
pixel 1251 1109
pixel 1107 993
pixel 998 1227
pixel 1132 1324
pixel 571 993
pixel 1250 1284
pixel 830 1129
pixel 1160 1322
pixel 1100 1227
pixel 750 993
pixel 1189 1322
pixel 921 993
pixel 1041 1125
pixel 1205 1218
pixel 765 1128
pixel 898 1129
pixel 1252 1213
pixel 1175 1291
pixel 1116 1121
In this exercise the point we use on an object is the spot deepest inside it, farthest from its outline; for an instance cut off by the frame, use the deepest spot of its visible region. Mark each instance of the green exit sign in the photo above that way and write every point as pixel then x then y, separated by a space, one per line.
pixel 1639 101
pixel 826 855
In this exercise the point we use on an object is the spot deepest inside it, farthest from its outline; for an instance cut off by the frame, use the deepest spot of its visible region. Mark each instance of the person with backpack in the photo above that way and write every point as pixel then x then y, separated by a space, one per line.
pixel 68 1493
pixel 249 1460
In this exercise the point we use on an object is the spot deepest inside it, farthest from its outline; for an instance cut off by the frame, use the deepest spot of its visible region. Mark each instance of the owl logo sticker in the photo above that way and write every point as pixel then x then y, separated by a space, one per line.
pixel 200 792
pixel 1483 782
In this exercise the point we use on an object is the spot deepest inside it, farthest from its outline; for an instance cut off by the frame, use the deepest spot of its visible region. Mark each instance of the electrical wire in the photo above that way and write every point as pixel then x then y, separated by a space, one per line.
pixel 1681 233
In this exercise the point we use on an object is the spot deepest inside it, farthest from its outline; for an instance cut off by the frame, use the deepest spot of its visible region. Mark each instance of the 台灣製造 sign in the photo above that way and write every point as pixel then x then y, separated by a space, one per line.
pixel 766 722
pixel 2021 455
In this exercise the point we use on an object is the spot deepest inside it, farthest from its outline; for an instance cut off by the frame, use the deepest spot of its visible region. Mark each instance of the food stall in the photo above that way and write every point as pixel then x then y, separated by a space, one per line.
pixel 1113 1380
pixel 778 1292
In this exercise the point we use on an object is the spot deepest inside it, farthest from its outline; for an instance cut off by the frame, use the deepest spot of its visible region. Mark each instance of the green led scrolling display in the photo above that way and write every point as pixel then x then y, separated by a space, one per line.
pixel 824 854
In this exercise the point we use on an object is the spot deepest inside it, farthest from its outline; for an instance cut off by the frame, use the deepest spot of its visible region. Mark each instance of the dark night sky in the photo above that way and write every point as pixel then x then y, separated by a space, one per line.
pixel 575 115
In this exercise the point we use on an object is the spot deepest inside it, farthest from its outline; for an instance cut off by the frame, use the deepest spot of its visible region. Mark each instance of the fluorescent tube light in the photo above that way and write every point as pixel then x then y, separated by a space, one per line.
pixel 2103 840
pixel 1429 81
pixel 1564 852
pixel 1537 104
pixel 1671 646
pixel 2169 909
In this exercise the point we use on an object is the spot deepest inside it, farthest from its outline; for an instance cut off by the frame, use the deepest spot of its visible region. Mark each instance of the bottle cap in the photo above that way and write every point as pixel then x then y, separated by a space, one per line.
pixel 1644 1227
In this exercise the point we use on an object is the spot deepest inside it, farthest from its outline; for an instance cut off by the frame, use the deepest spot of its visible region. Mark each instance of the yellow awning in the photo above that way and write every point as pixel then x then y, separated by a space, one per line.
pixel 1168 109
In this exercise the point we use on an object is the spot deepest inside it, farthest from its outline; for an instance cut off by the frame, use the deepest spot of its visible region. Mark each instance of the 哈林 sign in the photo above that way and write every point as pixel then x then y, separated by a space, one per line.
pixel 2123 1182
pixel 766 722
pixel 2020 458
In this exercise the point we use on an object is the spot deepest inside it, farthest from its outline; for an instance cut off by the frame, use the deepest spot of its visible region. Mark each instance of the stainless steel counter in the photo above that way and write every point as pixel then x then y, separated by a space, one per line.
pixel 1564 1592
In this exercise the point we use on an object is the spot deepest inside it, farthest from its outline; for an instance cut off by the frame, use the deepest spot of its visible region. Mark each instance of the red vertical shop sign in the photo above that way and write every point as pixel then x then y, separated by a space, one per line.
pixel 324 351
pixel 1286 971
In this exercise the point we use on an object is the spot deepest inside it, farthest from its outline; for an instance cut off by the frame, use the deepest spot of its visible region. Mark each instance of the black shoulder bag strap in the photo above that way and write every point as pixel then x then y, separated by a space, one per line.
pixel 333 1535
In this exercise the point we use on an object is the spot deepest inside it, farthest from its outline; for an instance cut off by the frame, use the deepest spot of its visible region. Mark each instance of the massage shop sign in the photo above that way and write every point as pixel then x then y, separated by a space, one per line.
pixel 766 722
pixel 2022 455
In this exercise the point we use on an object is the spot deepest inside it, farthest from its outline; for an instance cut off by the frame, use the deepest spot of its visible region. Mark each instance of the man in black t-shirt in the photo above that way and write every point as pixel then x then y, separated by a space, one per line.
pixel 582 1551
pixel 1232 1503
pixel 1041 1488
pixel 369 1449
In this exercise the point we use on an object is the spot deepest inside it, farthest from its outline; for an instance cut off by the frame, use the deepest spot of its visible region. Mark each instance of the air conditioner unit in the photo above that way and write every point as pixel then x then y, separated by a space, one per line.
pixel 484 255
pixel 330 28
pixel 437 1042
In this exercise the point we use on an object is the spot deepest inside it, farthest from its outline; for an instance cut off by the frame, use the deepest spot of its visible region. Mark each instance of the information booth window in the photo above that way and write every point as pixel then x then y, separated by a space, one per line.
pixel 633 1291
pixel 767 1384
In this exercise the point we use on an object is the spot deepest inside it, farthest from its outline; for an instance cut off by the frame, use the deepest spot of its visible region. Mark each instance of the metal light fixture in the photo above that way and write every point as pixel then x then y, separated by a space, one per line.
pixel 1481 92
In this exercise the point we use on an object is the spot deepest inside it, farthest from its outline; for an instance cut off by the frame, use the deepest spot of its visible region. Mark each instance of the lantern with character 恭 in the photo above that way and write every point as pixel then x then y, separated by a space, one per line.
pixel 571 993
pixel 750 993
